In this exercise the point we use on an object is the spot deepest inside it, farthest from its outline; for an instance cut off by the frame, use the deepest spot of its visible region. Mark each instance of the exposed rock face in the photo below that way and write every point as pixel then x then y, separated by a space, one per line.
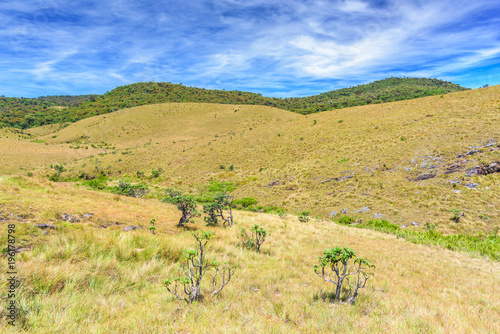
pixel 44 226
pixel 423 177
pixel 70 218
pixel 494 167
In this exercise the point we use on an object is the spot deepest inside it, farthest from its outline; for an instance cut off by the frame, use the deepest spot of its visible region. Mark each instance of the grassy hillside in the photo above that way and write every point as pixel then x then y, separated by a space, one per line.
pixel 26 113
pixel 90 276
pixel 405 161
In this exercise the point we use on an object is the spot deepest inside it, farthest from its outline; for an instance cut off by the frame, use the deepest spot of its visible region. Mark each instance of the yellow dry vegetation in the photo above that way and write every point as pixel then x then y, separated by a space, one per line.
pixel 355 158
pixel 84 278
pixel 91 276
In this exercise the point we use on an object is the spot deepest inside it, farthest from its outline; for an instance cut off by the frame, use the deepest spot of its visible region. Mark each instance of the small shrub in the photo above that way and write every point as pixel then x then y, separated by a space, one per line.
pixel 59 168
pixel 457 214
pixel 346 267
pixel 346 220
pixel 428 226
pixel 155 173
pixel 194 267
pixel 255 239
pixel 304 217
pixel 127 189
pixel 245 202
pixel 97 183
pixel 152 226
pixel 282 213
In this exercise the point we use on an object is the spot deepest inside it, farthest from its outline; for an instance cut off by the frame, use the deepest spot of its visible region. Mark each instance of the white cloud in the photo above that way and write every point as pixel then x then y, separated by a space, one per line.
pixel 251 43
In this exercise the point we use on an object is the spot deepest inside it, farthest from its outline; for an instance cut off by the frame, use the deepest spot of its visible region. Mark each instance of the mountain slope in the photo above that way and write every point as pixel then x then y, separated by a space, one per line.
pixel 407 161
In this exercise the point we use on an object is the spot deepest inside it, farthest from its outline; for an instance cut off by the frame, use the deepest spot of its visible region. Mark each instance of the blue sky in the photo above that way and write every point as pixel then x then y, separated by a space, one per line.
pixel 282 48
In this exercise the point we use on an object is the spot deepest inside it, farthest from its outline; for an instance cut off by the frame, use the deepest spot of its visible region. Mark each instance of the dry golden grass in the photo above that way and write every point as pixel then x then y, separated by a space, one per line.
pixel 82 278
pixel 374 144
pixel 91 276
pixel 25 156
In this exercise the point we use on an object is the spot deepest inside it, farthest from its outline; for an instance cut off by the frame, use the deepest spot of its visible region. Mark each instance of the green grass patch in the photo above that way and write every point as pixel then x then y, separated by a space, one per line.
pixel 479 245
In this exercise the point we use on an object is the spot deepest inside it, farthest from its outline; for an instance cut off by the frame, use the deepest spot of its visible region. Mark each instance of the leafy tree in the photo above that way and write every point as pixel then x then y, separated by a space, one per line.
pixel 221 207
pixel 185 203
pixel 345 267
pixel 195 266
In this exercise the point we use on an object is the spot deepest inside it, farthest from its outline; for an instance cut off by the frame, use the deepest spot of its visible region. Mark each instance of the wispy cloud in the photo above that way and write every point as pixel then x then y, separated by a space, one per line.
pixel 275 47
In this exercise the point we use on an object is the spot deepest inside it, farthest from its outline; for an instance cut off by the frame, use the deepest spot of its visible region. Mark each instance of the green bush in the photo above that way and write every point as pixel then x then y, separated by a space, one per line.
pixel 127 189
pixel 304 217
pixel 245 202
pixel 155 173
pixel 98 183
pixel 216 186
pixel 346 220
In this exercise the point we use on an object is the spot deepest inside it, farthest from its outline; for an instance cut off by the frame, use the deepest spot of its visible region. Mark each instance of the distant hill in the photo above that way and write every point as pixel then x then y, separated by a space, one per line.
pixel 27 113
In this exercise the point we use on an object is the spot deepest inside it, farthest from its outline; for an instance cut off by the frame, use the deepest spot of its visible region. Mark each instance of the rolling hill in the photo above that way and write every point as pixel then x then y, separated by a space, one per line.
pixel 27 113
pixel 406 161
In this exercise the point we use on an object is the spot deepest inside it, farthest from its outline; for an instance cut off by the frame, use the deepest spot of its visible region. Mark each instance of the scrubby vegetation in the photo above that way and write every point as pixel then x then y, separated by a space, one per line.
pixel 30 112
pixel 345 267
pixel 219 208
pixel 254 239
pixel 194 267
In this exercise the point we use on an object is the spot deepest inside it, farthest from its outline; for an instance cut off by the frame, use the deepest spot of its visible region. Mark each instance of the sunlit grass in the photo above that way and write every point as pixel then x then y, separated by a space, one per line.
pixel 83 278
